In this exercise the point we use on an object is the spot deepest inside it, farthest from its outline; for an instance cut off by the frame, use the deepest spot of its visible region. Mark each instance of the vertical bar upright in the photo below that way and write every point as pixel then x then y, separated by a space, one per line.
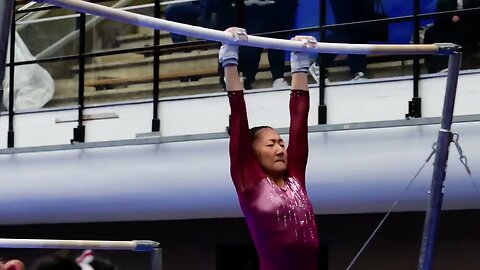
pixel 156 259
pixel 440 166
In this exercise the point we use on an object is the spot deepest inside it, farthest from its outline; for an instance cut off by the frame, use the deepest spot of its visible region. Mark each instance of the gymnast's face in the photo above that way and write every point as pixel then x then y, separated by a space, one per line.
pixel 269 149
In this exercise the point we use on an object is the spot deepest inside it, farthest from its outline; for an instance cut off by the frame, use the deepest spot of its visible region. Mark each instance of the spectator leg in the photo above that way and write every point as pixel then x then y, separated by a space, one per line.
pixel 188 13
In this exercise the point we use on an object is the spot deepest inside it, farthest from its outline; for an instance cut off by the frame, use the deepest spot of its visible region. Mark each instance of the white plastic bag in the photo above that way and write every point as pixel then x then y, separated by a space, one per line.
pixel 34 86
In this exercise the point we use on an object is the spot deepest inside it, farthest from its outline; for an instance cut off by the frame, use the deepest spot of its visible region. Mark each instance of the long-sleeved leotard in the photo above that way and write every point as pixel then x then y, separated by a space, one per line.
pixel 280 220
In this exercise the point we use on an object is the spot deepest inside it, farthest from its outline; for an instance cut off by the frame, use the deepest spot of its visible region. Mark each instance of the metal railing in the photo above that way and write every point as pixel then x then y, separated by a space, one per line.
pixel 413 110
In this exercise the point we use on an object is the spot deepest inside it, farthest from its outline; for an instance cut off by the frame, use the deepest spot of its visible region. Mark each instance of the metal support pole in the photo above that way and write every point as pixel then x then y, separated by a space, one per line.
pixel 6 15
pixel 322 108
pixel 11 85
pixel 439 171
pixel 156 256
pixel 6 19
pixel 79 131
pixel 156 71
pixel 415 105
pixel 416 40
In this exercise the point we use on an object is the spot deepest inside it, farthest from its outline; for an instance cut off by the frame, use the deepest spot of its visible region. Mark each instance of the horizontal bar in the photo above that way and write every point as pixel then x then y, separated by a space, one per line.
pixel 48 19
pixel 71 16
pixel 164 3
pixel 49 7
pixel 27 6
pixel 87 117
pixel 72 35
pixel 137 245
pixel 254 41
pixel 36 9
pixel 179 46
pixel 154 138
pixel 316 28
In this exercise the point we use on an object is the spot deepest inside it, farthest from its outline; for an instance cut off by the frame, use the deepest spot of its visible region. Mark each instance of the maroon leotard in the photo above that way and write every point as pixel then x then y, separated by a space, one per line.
pixel 280 220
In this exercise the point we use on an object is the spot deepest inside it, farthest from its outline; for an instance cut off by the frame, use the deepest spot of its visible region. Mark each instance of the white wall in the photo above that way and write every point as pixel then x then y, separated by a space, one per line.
pixel 354 171
pixel 347 103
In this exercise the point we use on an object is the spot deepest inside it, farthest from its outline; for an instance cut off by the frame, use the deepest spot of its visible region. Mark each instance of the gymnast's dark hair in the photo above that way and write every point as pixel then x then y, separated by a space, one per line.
pixel 254 131
pixel 102 264
pixel 60 260
pixel 63 260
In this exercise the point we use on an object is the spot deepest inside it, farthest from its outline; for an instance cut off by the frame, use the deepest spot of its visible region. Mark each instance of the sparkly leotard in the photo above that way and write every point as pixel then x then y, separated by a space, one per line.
pixel 280 220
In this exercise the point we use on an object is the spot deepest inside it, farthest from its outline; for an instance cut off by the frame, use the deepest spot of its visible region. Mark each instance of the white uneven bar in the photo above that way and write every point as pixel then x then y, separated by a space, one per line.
pixel 220 36
pixel 77 244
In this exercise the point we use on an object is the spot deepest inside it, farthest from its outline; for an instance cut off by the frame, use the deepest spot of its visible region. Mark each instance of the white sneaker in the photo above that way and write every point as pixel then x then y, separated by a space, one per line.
pixel 359 76
pixel 314 70
pixel 280 83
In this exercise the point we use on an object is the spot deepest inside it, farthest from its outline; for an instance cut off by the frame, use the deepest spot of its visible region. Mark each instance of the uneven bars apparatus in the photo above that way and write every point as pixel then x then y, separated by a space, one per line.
pixel 136 245
pixel 444 136
pixel 253 41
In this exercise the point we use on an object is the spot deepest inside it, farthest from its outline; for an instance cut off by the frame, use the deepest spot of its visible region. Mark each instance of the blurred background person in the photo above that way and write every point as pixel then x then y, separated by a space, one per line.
pixel 266 16
pixel 460 29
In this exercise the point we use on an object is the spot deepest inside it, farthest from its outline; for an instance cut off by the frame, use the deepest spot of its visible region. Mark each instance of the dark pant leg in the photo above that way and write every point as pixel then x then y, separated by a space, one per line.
pixel 276 59
pixel 225 14
pixel 340 35
pixel 225 18
pixel 188 13
pixel 282 18
pixel 436 34
pixel 255 22
pixel 349 11
pixel 249 60
pixel 357 63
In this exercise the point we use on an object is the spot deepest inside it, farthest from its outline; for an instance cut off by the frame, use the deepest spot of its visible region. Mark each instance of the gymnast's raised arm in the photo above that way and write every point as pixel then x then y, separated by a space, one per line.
pixel 244 168
pixel 299 107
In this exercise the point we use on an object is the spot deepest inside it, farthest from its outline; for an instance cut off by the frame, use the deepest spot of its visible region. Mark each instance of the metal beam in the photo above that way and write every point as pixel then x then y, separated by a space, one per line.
pixel 154 137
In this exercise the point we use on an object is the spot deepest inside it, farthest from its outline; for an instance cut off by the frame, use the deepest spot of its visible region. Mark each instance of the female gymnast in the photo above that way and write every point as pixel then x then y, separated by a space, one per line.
pixel 269 179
